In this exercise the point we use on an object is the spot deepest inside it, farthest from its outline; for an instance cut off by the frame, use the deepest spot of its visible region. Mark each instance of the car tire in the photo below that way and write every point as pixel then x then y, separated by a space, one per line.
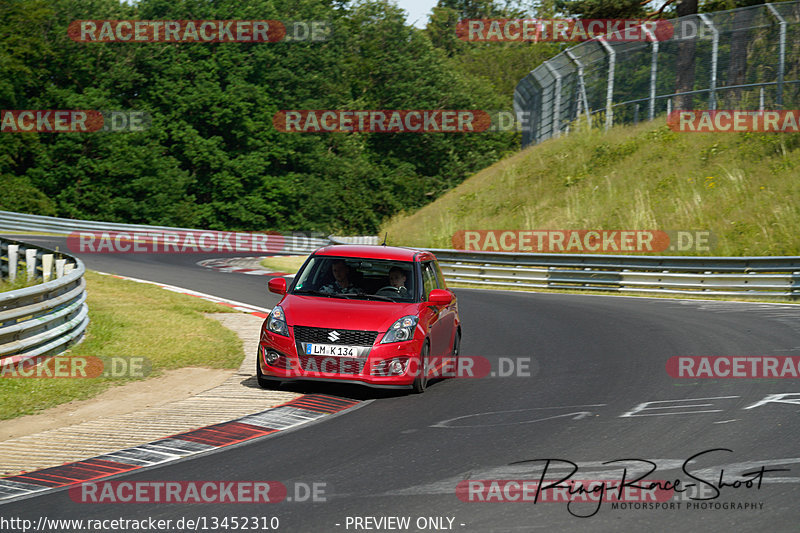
pixel 456 350
pixel 421 381
pixel 265 382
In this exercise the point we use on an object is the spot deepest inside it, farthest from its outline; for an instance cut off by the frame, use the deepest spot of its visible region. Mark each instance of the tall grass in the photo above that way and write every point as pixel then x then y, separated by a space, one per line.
pixel 744 187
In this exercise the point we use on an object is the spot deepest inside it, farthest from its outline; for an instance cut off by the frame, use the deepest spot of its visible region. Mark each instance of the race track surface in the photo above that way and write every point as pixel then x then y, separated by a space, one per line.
pixel 584 371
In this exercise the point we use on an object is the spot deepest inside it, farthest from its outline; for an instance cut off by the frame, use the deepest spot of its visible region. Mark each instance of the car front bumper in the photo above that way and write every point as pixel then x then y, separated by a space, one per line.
pixel 371 370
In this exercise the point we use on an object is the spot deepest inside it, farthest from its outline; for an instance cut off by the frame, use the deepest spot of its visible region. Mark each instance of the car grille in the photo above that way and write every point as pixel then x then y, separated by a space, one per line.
pixel 338 365
pixel 351 337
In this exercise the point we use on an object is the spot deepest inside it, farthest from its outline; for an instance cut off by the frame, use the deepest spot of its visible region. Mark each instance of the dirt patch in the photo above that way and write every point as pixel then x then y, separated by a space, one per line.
pixel 171 386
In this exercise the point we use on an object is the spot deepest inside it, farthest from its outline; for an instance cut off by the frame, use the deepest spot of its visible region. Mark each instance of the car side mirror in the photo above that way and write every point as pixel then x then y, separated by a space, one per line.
pixel 277 285
pixel 440 297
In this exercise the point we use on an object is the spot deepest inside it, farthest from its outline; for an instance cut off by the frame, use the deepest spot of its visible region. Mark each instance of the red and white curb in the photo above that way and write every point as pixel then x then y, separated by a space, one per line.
pixel 234 264
pixel 303 410
pixel 238 306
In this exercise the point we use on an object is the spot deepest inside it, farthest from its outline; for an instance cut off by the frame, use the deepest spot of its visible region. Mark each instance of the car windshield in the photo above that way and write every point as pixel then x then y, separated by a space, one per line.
pixel 357 278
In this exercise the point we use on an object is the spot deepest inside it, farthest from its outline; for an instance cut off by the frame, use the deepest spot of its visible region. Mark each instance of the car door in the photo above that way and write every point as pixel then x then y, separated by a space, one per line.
pixel 447 316
pixel 438 328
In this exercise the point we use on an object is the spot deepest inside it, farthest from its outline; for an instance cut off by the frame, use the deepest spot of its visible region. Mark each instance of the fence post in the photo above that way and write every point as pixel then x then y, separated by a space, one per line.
pixel 47 266
pixel 60 267
pixel 712 97
pixel 612 60
pixel 30 261
pixel 653 74
pixel 556 114
pixel 781 55
pixel 582 91
pixel 13 250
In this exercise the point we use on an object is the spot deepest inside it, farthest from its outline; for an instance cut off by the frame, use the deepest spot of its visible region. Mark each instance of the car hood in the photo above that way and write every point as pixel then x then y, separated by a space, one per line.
pixel 338 313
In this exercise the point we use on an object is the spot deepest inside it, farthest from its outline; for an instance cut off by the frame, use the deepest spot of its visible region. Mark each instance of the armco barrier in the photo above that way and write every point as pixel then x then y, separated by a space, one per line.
pixel 44 319
pixel 301 242
pixel 724 276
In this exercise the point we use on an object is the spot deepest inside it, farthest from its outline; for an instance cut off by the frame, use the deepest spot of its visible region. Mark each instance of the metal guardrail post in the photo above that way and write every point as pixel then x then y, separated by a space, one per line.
pixel 653 76
pixel 30 262
pixel 13 250
pixel 712 97
pixel 556 111
pixel 44 319
pixel 581 88
pixel 47 266
pixel 612 59
pixel 781 54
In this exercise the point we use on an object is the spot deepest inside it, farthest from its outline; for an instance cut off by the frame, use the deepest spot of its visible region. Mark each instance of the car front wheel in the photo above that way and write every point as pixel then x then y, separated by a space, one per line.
pixel 456 350
pixel 421 381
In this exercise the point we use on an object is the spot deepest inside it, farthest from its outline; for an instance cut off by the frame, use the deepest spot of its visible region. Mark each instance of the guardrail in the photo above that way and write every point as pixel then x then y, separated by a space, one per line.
pixel 45 319
pixel 362 239
pixel 295 242
pixel 722 276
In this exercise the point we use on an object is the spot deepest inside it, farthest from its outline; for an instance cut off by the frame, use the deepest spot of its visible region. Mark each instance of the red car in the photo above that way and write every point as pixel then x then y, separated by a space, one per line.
pixel 375 315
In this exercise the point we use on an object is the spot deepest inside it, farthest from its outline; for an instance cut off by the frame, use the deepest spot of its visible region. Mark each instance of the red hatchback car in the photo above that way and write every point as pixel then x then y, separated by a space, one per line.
pixel 375 315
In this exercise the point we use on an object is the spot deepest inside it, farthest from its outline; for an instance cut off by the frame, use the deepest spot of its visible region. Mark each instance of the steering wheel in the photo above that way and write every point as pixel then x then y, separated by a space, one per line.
pixel 389 288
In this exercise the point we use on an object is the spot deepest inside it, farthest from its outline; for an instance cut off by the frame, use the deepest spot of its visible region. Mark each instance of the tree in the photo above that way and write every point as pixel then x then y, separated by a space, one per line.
pixel 684 65
pixel 602 9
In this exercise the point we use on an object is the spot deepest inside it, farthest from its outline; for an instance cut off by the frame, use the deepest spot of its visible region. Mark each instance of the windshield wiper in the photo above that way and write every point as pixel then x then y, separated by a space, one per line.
pixel 376 296
pixel 318 293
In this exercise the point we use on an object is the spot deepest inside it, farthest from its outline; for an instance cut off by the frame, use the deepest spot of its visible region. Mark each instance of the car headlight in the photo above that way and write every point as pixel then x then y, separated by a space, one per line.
pixel 276 322
pixel 401 330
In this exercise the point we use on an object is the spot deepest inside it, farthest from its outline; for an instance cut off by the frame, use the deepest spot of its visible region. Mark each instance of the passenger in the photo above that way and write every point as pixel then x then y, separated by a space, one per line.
pixel 341 283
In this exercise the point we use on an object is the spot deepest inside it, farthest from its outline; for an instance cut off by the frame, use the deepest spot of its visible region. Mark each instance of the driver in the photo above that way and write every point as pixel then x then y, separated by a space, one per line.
pixel 397 282
pixel 341 276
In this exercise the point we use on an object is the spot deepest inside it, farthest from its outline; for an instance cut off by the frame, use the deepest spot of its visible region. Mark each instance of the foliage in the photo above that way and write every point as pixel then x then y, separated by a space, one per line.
pixel 212 157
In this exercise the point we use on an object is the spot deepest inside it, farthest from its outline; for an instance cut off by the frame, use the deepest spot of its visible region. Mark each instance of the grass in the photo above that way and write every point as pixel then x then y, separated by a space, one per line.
pixel 742 187
pixel 20 282
pixel 131 319
pixel 289 263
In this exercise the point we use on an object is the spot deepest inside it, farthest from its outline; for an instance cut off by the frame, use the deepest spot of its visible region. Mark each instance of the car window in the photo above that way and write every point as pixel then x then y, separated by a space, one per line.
pixel 429 281
pixel 357 278
pixel 440 275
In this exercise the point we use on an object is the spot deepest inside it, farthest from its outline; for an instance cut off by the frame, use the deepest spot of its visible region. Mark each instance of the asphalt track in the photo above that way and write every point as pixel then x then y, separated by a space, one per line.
pixel 594 361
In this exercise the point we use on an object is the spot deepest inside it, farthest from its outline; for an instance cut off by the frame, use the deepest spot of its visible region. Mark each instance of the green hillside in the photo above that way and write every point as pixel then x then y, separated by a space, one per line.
pixel 743 187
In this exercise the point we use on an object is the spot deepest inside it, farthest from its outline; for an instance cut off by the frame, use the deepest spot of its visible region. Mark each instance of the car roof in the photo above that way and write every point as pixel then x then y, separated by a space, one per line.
pixel 375 252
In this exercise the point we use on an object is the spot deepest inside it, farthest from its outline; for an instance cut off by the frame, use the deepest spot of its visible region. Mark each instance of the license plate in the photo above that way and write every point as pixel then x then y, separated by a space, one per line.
pixel 333 350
